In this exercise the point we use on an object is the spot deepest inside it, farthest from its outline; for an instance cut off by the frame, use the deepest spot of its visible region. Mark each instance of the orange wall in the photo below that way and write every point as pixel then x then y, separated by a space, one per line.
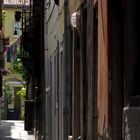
pixel 102 67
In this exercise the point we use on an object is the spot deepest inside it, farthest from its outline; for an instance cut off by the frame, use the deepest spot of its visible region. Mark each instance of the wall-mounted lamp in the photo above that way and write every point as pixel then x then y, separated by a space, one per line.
pixel 75 20
pixel 70 137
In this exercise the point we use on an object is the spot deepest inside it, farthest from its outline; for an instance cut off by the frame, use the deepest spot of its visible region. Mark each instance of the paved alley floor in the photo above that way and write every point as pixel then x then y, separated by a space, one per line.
pixel 13 130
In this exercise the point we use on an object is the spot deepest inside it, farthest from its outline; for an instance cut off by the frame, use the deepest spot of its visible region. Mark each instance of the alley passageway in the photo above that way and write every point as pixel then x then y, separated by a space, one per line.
pixel 69 70
pixel 13 130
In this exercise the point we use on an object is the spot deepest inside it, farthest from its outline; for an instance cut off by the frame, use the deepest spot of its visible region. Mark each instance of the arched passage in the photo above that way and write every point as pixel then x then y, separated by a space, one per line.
pixel 13 104
pixel 13 80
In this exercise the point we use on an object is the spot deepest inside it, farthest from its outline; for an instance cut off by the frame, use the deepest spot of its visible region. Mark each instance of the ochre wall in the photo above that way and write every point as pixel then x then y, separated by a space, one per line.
pixel 9 19
pixel 74 5
pixel 102 67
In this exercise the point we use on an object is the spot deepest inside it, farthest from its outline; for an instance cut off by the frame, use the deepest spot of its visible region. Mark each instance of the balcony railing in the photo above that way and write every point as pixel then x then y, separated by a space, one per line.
pixel 26 28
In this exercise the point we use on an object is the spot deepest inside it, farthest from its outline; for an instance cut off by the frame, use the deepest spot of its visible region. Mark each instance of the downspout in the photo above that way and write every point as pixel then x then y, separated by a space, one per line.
pixel 43 70
pixel 0 56
pixel 1 49
pixel 65 137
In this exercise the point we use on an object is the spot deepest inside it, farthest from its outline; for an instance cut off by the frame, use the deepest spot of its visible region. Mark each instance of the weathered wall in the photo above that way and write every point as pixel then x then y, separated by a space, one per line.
pixel 51 43
pixel 131 123
pixel 52 28
pixel 74 5
pixel 61 21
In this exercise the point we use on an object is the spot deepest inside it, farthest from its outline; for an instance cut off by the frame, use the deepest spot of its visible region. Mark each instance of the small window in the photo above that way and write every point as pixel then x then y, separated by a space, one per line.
pixel 17 16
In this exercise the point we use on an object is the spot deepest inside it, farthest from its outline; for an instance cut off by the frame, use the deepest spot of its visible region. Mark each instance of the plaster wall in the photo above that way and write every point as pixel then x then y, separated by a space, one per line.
pixel 9 20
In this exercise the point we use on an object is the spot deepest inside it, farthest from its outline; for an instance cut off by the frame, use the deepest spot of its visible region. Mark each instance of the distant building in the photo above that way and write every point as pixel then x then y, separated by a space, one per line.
pixel 12 12
pixel 12 31
pixel 16 3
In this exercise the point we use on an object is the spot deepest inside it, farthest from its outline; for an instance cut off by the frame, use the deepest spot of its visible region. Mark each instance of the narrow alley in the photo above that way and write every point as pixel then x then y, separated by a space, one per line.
pixel 69 69
pixel 14 130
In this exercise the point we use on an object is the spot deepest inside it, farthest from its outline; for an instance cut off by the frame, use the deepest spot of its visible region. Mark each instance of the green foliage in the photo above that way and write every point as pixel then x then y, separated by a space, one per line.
pixel 22 93
pixel 8 93
pixel 18 68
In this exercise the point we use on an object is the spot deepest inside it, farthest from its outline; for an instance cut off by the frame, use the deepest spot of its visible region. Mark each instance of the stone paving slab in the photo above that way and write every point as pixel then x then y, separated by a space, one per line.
pixel 14 130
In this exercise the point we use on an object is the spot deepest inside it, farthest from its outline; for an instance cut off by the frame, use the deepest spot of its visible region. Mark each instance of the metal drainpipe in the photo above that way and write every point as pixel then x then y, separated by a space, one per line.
pixel 0 94
pixel 0 85
pixel 0 54
pixel 66 70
